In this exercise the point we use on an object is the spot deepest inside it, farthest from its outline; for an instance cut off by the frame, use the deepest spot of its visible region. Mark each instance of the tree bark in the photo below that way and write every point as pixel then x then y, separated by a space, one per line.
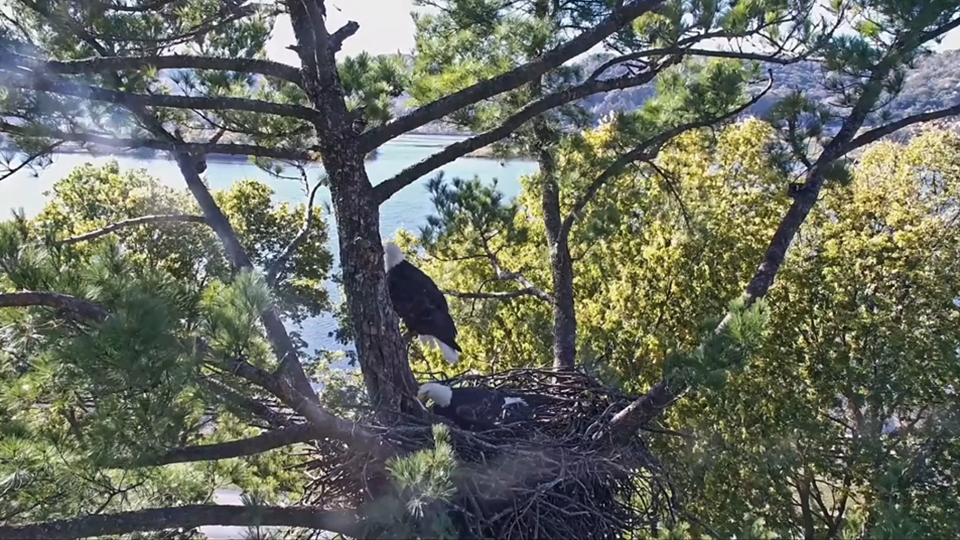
pixel 546 138
pixel 380 348
pixel 561 265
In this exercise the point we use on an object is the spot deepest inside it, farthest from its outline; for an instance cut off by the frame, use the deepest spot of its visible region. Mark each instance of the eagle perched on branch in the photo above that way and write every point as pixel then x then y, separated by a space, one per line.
pixel 420 304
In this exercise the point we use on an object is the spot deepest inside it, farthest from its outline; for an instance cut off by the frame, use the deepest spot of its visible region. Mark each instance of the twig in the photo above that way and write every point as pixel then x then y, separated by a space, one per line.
pixel 492 295
pixel 273 274
pixel 30 159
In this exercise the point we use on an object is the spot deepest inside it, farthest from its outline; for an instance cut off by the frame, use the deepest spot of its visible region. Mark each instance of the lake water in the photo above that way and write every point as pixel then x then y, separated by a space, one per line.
pixel 408 209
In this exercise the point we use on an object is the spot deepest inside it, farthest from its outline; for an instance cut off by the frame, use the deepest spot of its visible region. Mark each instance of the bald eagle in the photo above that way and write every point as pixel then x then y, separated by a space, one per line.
pixel 474 409
pixel 420 304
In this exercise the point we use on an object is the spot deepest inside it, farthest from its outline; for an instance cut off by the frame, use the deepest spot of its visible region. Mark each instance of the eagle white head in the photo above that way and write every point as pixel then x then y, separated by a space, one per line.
pixel 392 255
pixel 440 394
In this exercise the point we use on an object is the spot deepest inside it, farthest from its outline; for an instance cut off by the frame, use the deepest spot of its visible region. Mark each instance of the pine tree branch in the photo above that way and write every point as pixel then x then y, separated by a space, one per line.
pixel 134 222
pixel 185 517
pixel 148 6
pixel 772 58
pixel 353 434
pixel 209 149
pixel 876 134
pixel 39 83
pixel 54 300
pixel 645 151
pixel 411 174
pixel 280 342
pixel 30 159
pixel 511 79
pixel 259 409
pixel 259 444
pixel 101 64
pixel 277 266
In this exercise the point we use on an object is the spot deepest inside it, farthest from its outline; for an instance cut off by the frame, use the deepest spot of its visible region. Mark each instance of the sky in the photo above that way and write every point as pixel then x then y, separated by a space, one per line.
pixel 386 27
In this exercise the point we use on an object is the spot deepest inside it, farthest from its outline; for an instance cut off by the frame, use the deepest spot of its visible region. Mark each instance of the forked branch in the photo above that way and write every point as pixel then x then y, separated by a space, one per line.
pixel 273 273
pixel 668 390
pixel 387 188
pixel 512 79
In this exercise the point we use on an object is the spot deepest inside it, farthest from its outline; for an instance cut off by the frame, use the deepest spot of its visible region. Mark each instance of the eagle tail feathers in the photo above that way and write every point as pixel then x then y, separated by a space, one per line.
pixel 451 355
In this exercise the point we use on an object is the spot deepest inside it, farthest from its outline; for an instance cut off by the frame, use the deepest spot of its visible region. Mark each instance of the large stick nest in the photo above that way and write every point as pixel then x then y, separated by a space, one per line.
pixel 556 475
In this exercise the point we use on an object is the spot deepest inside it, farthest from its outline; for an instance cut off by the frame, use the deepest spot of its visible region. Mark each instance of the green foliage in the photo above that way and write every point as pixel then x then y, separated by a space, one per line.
pixel 90 198
pixel 86 408
pixel 425 483
pixel 861 329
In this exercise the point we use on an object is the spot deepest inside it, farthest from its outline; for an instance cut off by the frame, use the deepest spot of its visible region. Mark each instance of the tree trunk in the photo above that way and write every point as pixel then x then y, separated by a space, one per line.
pixel 383 357
pixel 380 349
pixel 561 266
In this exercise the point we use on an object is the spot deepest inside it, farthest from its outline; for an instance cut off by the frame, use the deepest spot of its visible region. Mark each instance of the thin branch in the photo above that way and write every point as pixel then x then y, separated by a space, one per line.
pixel 54 300
pixel 645 151
pixel 134 222
pixel 259 409
pixel 274 272
pixel 494 295
pixel 387 188
pixel 259 444
pixel 290 154
pixel 512 79
pixel 876 134
pixel 18 79
pixel 736 55
pixel 503 275
pixel 30 159
pixel 185 517
pixel 344 430
pixel 267 68
pixel 149 6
